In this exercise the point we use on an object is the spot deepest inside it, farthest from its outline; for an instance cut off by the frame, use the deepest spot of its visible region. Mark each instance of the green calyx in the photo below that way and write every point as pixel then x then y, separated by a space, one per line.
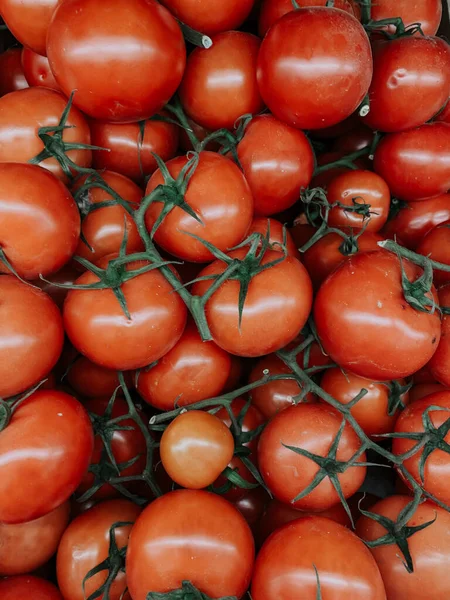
pixel 9 406
pixel 396 391
pixel 187 592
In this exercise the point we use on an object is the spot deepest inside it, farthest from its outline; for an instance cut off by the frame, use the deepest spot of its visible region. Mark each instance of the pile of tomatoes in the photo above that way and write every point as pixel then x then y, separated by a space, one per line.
pixel 224 300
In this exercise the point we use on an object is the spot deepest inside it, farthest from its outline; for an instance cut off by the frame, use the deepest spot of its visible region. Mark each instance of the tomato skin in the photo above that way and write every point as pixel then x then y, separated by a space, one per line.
pixel 277 306
pixel 336 69
pixel 426 12
pixel 284 568
pixel 421 390
pixel 286 473
pixel 49 441
pixel 200 526
pixel 402 158
pixel 30 316
pixel 12 77
pixel 435 245
pixel 91 380
pixel 356 139
pixel 389 338
pixel 208 95
pixel 66 276
pixel 28 586
pixel 85 544
pixel 192 371
pixel 82 33
pixel 37 70
pixel 251 506
pixel 278 162
pixel 440 361
pixel 430 550
pixel 277 234
pixel 444 114
pixel 220 196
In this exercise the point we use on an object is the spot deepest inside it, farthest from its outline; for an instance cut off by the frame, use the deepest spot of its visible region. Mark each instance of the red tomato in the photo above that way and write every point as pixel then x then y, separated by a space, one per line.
pixel 210 545
pixel 37 70
pixel 358 138
pixel 430 550
pixel 192 371
pixel 402 158
pixel 27 546
pixel 251 506
pixel 219 195
pixel 285 565
pixel 276 308
pixel 435 245
pixel 99 329
pixel 84 34
pixel 12 77
pixel 91 380
pixel 65 276
pixel 200 133
pixel 85 544
pixel 444 114
pixel 130 152
pixel 440 361
pixel 28 586
pixel 278 162
pixel 31 337
pixel 312 427
pixel 421 390
pixel 48 444
pixel 426 12
pixel 278 234
pixel 306 50
pixel 388 339
pixel 219 83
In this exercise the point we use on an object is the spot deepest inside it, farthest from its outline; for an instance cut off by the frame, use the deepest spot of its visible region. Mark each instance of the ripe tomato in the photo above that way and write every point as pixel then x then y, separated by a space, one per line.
pixel 285 565
pixel 48 442
pixel 421 390
pixel 99 329
pixel 210 96
pixel 435 245
pixel 28 586
pixel 356 139
pixel 444 114
pixel 84 34
pixel 306 50
pixel 312 427
pixel 276 308
pixel 85 544
pixel 389 338
pixel 27 546
pixel 426 12
pixel 219 195
pixel 12 77
pixel 91 380
pixel 278 162
pixel 37 70
pixel 251 506
pixel 192 371
pixel 31 336
pixel 278 234
pixel 429 548
pixel 440 361
pixel 402 158
pixel 39 221
pixel 210 545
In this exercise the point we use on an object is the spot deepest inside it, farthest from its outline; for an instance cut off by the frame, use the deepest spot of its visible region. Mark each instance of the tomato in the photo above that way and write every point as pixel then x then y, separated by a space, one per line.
pixel 402 158
pixel 278 162
pixel 85 544
pixel 37 70
pixel 219 83
pixel 130 151
pixel 435 245
pixel 31 336
pixel 251 505
pixel 429 548
pixel 440 361
pixel 99 329
pixel 426 12
pixel 252 420
pixel 306 50
pixel 192 371
pixel 366 325
pixel 24 112
pixel 28 586
pixel 444 114
pixel 200 133
pixel 48 444
pixel 39 221
pixel 358 138
pixel 84 34
pixel 65 276
pixel 210 545
pixel 210 17
pixel 287 474
pixel 278 234
pixel 285 565
pixel 421 390
pixel 91 380
pixel 12 77
pixel 27 546
pixel 275 310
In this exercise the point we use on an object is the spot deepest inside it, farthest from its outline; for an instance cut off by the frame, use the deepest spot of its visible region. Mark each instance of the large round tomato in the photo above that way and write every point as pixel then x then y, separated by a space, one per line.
pixel 365 323
pixel 125 58
pixel 190 535
pixel 28 586
pixel 48 443
pixel 306 50
pixel 426 12
pixel 219 195
pixel 436 245
pixel 440 361
pixel 285 567
pixel 37 70
pixel 12 77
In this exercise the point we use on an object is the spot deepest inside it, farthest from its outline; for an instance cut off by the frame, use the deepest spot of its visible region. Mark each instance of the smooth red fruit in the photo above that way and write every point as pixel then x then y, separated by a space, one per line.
pixel 426 12
pixel 440 361
pixel 12 77
pixel 37 70
pixel 436 245
pixel 91 380
pixel 28 586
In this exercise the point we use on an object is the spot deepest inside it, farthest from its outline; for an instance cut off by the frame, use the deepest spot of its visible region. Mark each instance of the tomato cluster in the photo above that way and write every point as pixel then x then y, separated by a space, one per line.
pixel 224 300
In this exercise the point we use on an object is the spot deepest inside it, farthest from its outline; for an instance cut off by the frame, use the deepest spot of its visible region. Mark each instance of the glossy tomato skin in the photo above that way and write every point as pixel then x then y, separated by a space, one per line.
pixel 357 138
pixel 28 586
pixel 30 316
pixel 85 544
pixel 426 12
pixel 207 93
pixel 435 245
pixel 440 361
pixel 312 427
pixel 48 441
pixel 389 338
pixel 278 162
pixel 91 380
pixel 278 234
pixel 277 306
pixel 120 89
pixel 220 196
pixel 430 550
pixel 37 70
pixel 284 568
pixel 192 371
pixel 12 77
pixel 306 49
pixel 421 390
pixel 401 159
pixel 200 526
